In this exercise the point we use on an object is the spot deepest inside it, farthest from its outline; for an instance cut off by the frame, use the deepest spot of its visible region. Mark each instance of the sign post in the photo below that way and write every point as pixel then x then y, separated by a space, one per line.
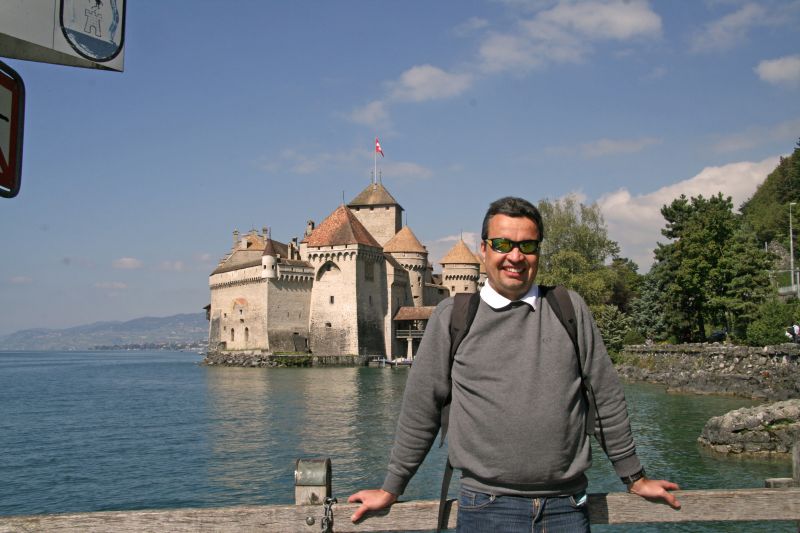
pixel 12 111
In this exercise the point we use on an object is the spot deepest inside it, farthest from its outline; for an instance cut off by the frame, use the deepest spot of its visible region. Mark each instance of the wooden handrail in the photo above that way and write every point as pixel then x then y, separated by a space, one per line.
pixel 610 508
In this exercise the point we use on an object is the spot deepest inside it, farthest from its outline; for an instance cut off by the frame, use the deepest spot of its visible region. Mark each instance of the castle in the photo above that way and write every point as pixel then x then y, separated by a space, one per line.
pixel 359 283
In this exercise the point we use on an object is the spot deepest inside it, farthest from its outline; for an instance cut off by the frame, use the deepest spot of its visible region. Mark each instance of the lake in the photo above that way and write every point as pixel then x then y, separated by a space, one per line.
pixel 92 431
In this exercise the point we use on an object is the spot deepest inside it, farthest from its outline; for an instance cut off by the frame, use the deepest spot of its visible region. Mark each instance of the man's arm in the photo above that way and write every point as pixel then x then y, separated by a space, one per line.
pixel 612 426
pixel 426 390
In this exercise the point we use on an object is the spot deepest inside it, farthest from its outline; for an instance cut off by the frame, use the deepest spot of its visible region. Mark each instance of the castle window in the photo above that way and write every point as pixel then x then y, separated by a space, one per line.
pixel 331 299
pixel 327 324
pixel 371 208
pixel 233 335
pixel 246 334
pixel 224 315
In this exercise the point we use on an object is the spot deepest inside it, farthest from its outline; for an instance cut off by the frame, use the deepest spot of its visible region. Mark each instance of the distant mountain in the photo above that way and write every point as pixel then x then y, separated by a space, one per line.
pixel 177 329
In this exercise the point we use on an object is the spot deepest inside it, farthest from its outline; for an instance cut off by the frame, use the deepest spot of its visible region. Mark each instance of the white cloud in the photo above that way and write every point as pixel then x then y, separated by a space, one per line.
pixel 172 266
pixel 757 136
pixel 127 263
pixel 636 222
pixel 781 71
pixel 470 25
pixel 373 114
pixel 110 285
pixel 406 170
pixel 20 280
pixel 730 30
pixel 426 82
pixel 566 32
pixel 604 147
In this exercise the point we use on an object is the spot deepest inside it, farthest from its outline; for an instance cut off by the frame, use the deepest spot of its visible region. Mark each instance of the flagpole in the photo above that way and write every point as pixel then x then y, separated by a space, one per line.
pixel 375 172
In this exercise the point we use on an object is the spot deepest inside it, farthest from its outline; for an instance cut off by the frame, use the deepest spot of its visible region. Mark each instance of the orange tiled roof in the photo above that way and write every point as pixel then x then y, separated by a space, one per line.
pixel 404 241
pixel 341 227
pixel 374 194
pixel 461 254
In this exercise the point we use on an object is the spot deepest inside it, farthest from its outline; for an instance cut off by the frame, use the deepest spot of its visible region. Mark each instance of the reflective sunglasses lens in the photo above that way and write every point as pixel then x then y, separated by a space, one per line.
pixel 501 245
pixel 529 247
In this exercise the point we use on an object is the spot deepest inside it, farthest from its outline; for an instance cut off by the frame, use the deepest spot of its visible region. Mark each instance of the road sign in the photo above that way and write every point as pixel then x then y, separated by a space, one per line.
pixel 78 33
pixel 12 112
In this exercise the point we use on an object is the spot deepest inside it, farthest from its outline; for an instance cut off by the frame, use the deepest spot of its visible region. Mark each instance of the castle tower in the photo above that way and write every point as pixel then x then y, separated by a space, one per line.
pixel 482 271
pixel 378 212
pixel 349 300
pixel 406 249
pixel 461 271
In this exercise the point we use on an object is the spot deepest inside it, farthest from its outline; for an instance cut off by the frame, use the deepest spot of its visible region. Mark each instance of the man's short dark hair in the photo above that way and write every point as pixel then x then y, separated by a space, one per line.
pixel 513 207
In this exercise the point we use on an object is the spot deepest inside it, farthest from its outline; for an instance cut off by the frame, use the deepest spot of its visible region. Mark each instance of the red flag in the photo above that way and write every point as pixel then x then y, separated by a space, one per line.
pixel 378 147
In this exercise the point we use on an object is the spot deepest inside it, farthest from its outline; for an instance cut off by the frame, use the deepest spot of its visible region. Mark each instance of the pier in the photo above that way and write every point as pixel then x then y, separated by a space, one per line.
pixel 313 482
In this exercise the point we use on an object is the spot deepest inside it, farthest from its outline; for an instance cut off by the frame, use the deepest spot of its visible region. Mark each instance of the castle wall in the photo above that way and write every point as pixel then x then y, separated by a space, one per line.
pixel 382 221
pixel 415 264
pixel 372 300
pixel 238 310
pixel 333 318
pixel 289 305
pixel 399 295
pixel 434 294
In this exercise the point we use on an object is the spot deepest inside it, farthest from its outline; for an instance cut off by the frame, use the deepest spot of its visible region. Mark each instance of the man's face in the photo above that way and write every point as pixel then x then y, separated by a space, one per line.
pixel 511 274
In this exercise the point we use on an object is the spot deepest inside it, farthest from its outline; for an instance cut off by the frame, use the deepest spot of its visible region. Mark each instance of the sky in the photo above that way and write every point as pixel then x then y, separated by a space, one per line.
pixel 260 114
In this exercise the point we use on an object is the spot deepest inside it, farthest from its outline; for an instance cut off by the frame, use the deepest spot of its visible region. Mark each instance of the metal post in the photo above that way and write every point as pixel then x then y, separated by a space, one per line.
pixel 312 481
pixel 791 249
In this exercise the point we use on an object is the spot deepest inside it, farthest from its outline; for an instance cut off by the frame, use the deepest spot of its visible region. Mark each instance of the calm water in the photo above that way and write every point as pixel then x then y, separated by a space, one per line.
pixel 137 430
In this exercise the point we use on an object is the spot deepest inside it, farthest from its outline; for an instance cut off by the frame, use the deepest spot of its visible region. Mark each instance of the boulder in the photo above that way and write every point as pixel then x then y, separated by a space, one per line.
pixel 769 429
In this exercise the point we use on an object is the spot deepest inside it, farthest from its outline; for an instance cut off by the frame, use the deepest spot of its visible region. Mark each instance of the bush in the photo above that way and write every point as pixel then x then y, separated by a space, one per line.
pixel 774 316
pixel 633 336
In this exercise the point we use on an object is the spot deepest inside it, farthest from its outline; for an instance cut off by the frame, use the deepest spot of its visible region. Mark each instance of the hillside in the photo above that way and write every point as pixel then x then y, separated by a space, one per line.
pixel 176 329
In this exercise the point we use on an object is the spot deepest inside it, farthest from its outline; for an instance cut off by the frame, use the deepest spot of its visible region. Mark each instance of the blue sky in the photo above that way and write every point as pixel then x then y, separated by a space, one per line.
pixel 250 114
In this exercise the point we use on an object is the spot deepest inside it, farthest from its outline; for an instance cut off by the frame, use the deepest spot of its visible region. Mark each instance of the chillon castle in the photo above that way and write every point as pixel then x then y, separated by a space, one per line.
pixel 359 283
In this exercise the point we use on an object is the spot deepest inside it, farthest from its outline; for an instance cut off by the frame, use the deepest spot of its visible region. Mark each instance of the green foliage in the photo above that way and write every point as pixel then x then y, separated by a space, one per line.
pixel 613 325
pixel 774 316
pixel 625 284
pixel 647 310
pixel 686 268
pixel 633 337
pixel 767 211
pixel 575 249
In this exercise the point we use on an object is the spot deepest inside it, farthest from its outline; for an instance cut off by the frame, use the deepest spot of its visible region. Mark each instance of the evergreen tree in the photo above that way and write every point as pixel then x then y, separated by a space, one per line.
pixel 647 310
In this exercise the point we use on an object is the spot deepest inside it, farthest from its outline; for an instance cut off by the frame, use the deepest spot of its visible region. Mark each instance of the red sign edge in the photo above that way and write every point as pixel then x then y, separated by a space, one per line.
pixel 17 122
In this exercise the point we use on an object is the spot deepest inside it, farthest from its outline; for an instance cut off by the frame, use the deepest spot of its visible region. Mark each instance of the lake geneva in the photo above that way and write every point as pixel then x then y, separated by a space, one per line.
pixel 91 431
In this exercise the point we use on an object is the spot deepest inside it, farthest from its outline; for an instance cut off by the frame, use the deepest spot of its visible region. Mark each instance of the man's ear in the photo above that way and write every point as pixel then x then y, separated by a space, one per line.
pixel 483 251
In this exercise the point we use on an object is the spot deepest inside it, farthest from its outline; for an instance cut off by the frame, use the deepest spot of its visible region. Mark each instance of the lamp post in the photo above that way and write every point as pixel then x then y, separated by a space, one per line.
pixel 791 249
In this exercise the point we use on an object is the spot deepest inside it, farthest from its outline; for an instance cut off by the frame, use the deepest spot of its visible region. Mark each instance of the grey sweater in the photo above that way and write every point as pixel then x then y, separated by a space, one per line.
pixel 517 419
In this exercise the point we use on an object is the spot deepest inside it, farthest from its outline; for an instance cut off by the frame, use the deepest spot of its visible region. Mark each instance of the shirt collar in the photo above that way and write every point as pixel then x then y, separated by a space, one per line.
pixel 496 301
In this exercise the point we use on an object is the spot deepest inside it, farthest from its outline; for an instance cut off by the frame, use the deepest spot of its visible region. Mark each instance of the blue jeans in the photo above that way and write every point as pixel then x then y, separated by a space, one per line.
pixel 487 513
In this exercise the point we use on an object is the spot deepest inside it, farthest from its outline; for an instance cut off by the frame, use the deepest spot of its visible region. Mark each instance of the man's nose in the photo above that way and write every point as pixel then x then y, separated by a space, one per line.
pixel 515 254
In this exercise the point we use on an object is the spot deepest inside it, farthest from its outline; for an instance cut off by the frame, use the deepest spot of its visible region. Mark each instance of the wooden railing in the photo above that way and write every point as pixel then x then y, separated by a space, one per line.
pixel 768 504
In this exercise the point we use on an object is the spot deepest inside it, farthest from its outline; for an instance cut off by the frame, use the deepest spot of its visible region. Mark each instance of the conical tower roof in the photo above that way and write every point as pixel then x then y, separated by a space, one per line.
pixel 374 194
pixel 461 254
pixel 404 241
pixel 341 227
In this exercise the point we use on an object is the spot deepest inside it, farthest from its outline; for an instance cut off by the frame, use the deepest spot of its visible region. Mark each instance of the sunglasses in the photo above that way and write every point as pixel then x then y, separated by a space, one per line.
pixel 504 246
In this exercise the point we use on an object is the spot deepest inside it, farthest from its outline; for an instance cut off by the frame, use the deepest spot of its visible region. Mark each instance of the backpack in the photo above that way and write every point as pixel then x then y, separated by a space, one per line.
pixel 465 307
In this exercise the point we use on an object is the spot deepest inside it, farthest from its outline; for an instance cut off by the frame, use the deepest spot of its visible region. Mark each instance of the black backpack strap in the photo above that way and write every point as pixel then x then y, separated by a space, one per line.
pixel 561 304
pixel 465 307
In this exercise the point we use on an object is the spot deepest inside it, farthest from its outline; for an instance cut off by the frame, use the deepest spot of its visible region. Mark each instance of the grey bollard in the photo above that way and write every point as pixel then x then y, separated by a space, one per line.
pixel 312 481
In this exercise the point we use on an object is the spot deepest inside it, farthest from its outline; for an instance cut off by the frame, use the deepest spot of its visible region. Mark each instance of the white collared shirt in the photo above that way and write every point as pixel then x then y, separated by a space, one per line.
pixel 496 301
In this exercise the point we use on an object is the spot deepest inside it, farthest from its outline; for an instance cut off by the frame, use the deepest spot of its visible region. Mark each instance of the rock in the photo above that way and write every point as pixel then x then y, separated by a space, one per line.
pixel 762 430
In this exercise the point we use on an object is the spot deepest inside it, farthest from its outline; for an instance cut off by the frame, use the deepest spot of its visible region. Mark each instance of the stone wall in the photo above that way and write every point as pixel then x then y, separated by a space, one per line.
pixel 238 304
pixel 769 373
pixel 264 360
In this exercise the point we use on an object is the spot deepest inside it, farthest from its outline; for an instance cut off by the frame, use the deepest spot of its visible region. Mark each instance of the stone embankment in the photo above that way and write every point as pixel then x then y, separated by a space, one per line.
pixel 765 430
pixel 262 360
pixel 770 373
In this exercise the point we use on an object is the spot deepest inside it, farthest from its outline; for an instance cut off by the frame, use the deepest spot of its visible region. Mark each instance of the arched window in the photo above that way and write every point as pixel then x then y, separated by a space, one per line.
pixel 246 335
pixel 233 335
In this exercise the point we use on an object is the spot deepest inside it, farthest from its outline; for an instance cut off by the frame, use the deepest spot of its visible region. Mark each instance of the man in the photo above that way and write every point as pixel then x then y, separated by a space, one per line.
pixel 517 417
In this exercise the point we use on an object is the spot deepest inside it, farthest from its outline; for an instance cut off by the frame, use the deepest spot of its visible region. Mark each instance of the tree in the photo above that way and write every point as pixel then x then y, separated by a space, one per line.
pixel 774 316
pixel 647 310
pixel 626 283
pixel 575 249
pixel 712 271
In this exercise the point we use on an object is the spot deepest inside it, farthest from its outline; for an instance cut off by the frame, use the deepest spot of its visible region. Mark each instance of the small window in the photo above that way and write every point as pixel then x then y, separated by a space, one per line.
pixel 331 299
pixel 233 335
pixel 327 324
pixel 246 334
pixel 224 315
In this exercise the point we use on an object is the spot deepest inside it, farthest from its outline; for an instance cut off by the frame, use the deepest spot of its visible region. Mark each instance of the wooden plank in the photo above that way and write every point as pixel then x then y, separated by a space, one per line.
pixel 613 508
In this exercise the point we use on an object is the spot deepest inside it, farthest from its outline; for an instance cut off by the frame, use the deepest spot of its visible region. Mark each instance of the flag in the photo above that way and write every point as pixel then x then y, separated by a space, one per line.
pixel 378 147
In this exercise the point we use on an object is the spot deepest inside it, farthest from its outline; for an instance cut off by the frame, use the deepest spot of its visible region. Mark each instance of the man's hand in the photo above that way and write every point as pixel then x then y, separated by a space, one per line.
pixel 656 490
pixel 371 500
